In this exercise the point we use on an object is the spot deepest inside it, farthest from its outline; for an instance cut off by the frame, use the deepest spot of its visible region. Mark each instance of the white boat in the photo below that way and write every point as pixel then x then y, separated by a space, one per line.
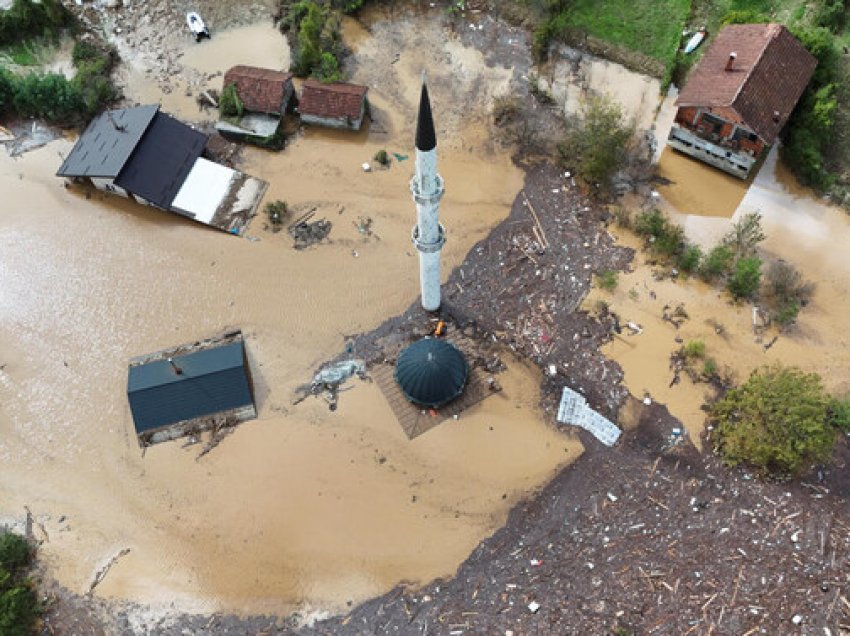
pixel 197 26
pixel 695 40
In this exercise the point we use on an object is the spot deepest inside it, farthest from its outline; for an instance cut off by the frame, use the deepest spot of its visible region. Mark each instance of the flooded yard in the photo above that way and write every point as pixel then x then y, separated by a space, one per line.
pixel 303 508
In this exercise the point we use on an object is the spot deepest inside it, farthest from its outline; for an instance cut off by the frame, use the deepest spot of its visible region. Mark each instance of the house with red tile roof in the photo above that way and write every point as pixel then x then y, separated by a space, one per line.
pixel 740 95
pixel 266 96
pixel 338 105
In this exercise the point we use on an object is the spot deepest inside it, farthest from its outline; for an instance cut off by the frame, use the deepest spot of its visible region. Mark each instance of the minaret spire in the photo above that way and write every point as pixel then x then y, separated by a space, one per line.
pixel 427 188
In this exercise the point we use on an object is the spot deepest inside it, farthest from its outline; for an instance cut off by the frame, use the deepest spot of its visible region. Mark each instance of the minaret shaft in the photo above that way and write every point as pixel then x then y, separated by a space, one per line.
pixel 427 189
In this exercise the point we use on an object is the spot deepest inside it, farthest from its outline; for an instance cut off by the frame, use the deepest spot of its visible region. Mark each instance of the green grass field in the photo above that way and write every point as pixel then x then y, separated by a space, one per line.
pixel 651 27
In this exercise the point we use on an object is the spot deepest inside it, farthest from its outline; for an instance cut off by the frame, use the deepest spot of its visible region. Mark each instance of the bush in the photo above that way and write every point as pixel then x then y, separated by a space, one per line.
pixel 709 368
pixel 694 349
pixel 745 278
pixel 595 146
pixel 838 413
pixel 717 263
pixel 690 259
pixel 830 14
pixel 744 16
pixel 49 97
pixel 665 238
pixel 607 280
pixel 26 19
pixel 276 211
pixel 316 40
pixel 776 422
pixel 382 157
pixel 15 552
pixel 18 602
pixel 229 103
pixel 745 235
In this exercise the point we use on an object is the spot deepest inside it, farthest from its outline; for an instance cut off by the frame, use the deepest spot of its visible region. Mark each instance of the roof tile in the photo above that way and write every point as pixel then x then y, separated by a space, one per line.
pixel 260 89
pixel 770 72
pixel 337 101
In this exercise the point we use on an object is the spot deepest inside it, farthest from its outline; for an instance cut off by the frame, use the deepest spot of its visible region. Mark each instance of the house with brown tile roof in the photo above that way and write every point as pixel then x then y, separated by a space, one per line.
pixel 265 95
pixel 261 90
pixel 740 95
pixel 338 105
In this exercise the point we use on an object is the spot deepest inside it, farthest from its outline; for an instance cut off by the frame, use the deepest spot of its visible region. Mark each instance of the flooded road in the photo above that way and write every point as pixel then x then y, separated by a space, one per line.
pixel 303 508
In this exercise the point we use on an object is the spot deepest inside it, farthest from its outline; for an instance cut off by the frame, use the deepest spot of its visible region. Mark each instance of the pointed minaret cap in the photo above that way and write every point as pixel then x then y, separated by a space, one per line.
pixel 425 138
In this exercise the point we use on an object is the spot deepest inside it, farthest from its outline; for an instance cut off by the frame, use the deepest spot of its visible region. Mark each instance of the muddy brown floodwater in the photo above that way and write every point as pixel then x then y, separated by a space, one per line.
pixel 800 229
pixel 303 508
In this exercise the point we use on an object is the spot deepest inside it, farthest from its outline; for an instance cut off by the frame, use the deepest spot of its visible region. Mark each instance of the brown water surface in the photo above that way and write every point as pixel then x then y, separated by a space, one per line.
pixel 303 507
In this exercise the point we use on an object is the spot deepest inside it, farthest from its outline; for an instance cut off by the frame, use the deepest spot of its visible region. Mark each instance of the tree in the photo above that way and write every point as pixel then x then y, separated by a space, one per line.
pixel 745 278
pixel 18 602
pixel 745 235
pixel 595 146
pixel 777 422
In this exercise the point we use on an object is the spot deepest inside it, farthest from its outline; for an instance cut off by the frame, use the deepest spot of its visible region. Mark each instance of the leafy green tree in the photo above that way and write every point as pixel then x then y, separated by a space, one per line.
pixel 595 146
pixel 7 90
pixel 776 422
pixel 745 278
pixel 328 70
pixel 690 258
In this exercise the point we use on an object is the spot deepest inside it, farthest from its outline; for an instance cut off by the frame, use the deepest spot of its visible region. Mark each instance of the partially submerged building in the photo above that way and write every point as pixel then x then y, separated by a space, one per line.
pixel 337 105
pixel 147 156
pixel 266 95
pixel 740 95
pixel 190 388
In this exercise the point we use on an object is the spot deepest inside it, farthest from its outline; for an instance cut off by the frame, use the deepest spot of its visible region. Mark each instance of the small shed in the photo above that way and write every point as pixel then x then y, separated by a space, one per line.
pixel 190 388
pixel 431 372
pixel 337 105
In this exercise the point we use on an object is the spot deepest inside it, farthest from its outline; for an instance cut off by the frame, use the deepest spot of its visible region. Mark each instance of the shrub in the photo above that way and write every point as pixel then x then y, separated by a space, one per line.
pixel 622 217
pixel 276 211
pixel 744 16
pixel 26 19
pixel 50 97
pixel 709 368
pixel 787 314
pixel 717 263
pixel 229 102
pixel 830 14
pixel 838 413
pixel 18 602
pixel 690 258
pixel 745 235
pixel 328 70
pixel 666 239
pixel 382 157
pixel 505 109
pixel 694 349
pixel 745 278
pixel 595 145
pixel 776 422
pixel 607 280
pixel 15 552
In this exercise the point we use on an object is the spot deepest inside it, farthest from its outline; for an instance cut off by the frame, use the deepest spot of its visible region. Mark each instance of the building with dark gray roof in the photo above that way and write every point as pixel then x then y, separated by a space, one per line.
pixel 154 159
pixel 190 388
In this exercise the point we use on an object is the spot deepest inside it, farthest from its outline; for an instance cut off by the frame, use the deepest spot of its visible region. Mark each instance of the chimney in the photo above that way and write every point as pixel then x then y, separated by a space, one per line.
pixel 731 61
pixel 776 116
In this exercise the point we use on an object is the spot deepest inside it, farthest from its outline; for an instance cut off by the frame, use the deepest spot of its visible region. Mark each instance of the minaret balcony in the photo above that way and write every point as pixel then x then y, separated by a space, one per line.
pixel 429 248
pixel 427 197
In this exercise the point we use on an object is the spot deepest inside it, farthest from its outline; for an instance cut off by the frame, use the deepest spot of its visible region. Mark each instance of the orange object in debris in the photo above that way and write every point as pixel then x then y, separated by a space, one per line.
pixel 432 412
pixel 440 329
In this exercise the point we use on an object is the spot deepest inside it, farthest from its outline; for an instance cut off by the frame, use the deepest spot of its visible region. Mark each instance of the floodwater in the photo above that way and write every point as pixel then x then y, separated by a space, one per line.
pixel 303 508
pixel 800 229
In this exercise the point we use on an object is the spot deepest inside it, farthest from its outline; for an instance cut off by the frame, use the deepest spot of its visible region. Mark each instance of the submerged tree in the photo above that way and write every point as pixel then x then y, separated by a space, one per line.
pixel 778 421
pixel 595 145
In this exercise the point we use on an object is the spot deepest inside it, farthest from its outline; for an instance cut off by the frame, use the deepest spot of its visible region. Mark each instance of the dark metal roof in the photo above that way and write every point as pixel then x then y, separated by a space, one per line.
pixel 107 143
pixel 212 380
pixel 426 138
pixel 162 160
pixel 431 372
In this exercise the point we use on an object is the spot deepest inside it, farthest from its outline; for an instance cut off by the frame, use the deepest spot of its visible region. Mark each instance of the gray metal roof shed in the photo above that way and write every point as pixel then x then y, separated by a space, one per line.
pixel 210 381
pixel 107 143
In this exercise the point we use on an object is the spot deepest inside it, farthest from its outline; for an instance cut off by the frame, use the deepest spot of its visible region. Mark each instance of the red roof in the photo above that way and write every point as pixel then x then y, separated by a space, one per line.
pixel 260 89
pixel 770 72
pixel 336 101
